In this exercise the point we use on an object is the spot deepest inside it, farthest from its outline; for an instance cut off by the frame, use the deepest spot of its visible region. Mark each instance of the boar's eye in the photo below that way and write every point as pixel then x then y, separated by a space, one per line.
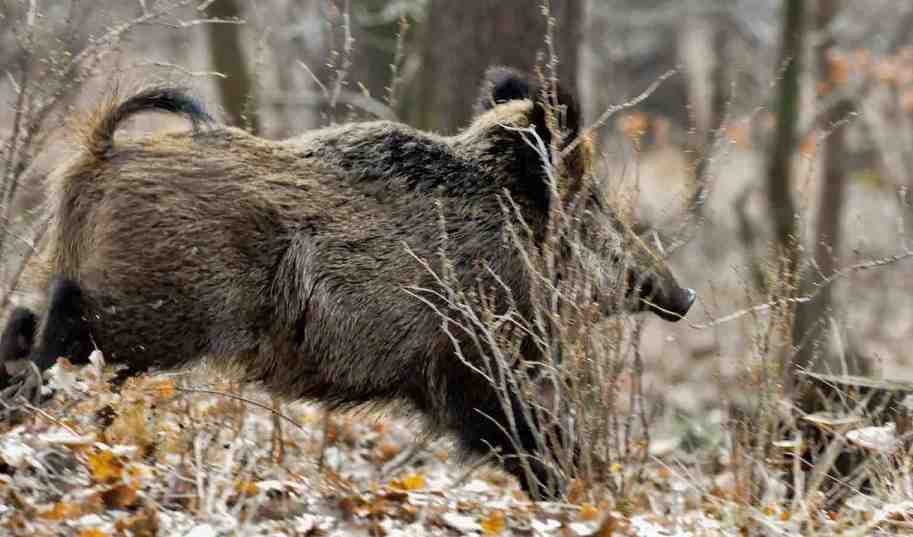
pixel 640 287
pixel 646 287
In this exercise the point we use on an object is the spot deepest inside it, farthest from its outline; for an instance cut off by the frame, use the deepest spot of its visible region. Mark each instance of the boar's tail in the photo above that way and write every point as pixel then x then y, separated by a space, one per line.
pixel 98 131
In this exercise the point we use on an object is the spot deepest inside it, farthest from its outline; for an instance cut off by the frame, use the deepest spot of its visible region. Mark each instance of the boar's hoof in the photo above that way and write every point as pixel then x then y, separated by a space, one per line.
pixel 547 485
pixel 17 390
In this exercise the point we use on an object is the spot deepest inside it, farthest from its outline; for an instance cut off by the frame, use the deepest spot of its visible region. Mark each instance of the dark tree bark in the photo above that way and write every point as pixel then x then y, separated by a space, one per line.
pixel 462 39
pixel 779 166
pixel 227 56
pixel 810 322
pixel 375 46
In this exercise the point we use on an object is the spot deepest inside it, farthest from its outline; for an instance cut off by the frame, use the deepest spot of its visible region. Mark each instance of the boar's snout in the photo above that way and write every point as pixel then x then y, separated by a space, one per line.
pixel 674 305
pixel 651 284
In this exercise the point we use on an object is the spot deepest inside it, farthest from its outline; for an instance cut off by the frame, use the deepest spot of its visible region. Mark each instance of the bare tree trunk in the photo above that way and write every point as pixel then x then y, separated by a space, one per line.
pixel 227 56
pixel 810 322
pixel 375 44
pixel 718 96
pixel 462 39
pixel 779 167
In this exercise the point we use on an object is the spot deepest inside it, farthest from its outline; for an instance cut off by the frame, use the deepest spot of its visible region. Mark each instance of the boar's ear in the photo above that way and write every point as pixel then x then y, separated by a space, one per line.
pixel 503 84
pixel 500 85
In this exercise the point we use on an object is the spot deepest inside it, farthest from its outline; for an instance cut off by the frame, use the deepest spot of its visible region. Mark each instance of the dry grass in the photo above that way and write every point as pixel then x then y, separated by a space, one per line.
pixel 684 429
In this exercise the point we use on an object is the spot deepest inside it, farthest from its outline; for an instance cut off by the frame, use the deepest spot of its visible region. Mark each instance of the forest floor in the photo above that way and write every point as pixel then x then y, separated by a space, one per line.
pixel 162 458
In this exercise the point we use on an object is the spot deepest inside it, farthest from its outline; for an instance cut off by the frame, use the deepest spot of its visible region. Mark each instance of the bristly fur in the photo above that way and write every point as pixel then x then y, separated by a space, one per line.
pixel 98 136
pixel 287 261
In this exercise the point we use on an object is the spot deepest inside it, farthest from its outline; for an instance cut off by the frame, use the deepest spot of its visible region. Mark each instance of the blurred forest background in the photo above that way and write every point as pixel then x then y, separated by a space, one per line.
pixel 773 162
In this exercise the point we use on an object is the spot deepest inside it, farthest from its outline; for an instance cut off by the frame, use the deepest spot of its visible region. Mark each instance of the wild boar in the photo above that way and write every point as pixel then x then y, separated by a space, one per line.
pixel 288 260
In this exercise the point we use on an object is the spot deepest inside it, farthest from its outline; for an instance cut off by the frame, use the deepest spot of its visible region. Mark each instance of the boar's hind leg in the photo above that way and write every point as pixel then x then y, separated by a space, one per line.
pixel 18 335
pixel 66 332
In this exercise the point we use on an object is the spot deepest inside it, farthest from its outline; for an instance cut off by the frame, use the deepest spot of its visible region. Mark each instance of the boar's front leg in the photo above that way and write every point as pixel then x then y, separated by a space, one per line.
pixel 481 422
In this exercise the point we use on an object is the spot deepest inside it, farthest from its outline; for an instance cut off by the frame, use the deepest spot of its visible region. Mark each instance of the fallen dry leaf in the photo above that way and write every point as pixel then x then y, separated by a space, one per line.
pixel 120 497
pixel 494 523
pixel 409 482
pixel 105 466
pixel 92 533
pixel 144 524
pixel 588 511
pixel 164 389
pixel 62 511
pixel 247 488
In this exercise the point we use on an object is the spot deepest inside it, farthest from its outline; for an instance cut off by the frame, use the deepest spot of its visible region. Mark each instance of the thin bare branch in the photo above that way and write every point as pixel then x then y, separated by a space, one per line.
pixel 247 401
pixel 842 273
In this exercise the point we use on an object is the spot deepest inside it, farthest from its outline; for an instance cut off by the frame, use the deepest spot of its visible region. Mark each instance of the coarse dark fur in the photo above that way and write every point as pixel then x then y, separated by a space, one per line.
pixel 288 260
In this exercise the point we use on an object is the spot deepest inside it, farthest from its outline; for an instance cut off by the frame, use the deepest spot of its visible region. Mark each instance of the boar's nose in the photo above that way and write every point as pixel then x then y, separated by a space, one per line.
pixel 676 305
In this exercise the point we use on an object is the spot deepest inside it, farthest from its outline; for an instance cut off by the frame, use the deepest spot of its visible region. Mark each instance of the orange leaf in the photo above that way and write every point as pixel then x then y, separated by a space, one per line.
pixel 409 482
pixel 247 488
pixel 92 533
pixel 588 511
pixel 576 491
pixel 105 467
pixel 387 450
pixel 62 511
pixel 164 389
pixel 494 523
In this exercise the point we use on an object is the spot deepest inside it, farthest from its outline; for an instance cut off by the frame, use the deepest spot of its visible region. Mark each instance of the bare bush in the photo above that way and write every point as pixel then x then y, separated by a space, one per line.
pixel 583 396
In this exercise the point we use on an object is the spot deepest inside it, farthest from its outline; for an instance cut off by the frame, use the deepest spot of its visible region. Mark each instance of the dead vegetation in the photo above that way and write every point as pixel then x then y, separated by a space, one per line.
pixel 182 455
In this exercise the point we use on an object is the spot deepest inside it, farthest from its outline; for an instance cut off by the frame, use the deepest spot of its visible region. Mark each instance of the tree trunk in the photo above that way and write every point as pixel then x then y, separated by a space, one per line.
pixel 779 167
pixel 462 39
pixel 810 322
pixel 375 47
pixel 719 90
pixel 227 55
